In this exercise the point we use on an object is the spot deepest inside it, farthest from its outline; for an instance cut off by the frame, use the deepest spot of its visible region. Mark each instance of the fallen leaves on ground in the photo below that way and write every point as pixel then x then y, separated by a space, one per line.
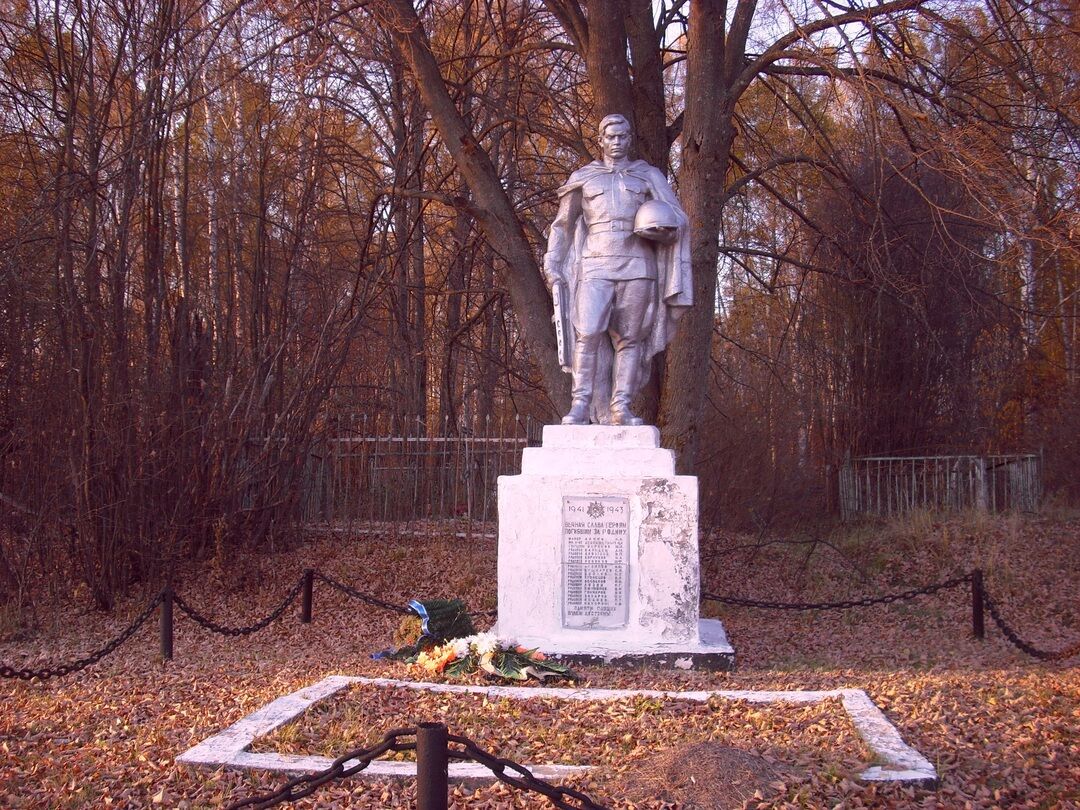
pixel 1002 729
pixel 613 734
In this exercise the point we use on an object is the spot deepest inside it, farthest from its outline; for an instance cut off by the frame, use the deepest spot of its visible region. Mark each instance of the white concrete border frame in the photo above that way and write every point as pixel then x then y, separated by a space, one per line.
pixel 229 748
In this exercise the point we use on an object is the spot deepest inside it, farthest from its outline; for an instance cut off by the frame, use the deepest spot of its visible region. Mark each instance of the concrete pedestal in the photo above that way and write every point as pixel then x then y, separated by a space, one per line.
pixel 598 552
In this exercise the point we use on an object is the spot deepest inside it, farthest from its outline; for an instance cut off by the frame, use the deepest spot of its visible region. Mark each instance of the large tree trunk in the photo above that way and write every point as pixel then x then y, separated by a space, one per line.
pixel 455 298
pixel 609 73
pixel 408 363
pixel 650 124
pixel 706 142
pixel 494 211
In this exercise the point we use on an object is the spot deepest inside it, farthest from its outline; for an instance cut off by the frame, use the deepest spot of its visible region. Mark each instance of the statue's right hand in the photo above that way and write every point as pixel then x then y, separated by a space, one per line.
pixel 552 276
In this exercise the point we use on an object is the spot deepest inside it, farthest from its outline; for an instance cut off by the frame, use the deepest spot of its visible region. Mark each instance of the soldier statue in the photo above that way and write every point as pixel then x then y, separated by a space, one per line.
pixel 618 259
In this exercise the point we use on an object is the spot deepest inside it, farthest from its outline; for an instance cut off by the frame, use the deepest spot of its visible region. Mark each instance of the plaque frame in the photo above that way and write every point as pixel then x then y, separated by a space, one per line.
pixel 583 519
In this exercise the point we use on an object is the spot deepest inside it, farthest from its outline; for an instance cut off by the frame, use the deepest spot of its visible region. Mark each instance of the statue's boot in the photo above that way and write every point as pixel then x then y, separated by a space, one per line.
pixel 624 378
pixel 578 413
pixel 584 372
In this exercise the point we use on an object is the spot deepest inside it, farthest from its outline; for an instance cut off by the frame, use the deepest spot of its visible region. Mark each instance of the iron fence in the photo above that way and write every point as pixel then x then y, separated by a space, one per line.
pixel 399 471
pixel 167 598
pixel 892 485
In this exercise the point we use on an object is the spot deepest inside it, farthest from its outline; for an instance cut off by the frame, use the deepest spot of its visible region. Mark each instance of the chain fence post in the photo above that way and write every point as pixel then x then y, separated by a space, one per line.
pixel 432 762
pixel 305 602
pixel 978 627
pixel 166 616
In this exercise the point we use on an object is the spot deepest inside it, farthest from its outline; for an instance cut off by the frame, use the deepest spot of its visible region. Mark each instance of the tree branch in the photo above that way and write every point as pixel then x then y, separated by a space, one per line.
pixel 779 48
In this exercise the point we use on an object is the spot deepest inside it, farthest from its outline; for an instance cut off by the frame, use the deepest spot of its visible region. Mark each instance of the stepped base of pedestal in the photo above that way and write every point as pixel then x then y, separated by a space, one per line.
pixel 711 653
pixel 598 554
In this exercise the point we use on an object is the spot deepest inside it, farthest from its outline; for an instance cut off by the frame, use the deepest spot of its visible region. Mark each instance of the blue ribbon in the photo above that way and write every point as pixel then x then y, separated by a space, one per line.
pixel 421 611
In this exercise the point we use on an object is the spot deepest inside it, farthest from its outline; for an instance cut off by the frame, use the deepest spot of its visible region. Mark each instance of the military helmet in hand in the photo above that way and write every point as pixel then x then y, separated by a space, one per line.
pixel 657 221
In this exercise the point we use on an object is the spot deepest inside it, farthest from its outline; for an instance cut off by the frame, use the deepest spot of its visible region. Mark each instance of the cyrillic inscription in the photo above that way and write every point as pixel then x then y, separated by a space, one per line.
pixel 596 549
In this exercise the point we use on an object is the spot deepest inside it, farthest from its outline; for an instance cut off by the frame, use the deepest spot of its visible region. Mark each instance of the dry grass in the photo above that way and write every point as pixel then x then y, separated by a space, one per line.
pixel 1003 730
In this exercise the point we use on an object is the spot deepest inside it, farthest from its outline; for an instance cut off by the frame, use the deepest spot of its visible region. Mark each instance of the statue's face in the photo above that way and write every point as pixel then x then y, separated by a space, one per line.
pixel 615 142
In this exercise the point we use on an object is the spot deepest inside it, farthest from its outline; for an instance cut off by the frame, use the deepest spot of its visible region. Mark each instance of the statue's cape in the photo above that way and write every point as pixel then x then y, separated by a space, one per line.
pixel 674 283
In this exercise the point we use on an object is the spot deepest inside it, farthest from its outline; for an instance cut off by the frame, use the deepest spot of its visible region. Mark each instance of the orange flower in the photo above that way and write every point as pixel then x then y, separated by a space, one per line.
pixel 436 659
pixel 535 655
pixel 424 660
pixel 445 656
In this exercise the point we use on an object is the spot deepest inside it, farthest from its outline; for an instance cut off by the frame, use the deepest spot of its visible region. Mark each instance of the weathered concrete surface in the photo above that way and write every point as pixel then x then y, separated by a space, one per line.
pixel 663 584
pixel 667 561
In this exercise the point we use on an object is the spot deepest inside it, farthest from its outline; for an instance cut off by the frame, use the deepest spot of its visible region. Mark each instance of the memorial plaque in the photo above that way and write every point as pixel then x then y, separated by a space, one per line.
pixel 595 558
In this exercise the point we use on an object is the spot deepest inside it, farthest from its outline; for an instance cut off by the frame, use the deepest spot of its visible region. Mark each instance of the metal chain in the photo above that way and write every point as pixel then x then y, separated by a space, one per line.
pixel 307 784
pixel 851 603
pixel 66 669
pixel 562 797
pixel 301 786
pixel 221 629
pixel 1010 634
pixel 363 597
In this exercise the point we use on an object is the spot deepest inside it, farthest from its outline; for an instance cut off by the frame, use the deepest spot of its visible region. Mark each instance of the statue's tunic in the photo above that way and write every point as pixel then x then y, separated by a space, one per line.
pixel 611 251
pixel 593 237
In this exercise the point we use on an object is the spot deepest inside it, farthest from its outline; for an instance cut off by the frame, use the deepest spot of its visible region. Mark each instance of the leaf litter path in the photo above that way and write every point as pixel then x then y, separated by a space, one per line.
pixel 229 748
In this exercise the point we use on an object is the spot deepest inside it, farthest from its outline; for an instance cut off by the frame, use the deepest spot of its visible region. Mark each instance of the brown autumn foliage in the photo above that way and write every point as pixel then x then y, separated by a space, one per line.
pixel 226 225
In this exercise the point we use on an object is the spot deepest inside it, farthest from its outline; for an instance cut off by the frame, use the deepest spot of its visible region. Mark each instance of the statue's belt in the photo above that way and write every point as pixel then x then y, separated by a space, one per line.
pixel 611 225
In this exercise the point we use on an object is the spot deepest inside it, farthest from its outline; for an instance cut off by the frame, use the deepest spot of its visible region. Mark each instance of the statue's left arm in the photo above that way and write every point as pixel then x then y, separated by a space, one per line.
pixel 676 281
pixel 661 190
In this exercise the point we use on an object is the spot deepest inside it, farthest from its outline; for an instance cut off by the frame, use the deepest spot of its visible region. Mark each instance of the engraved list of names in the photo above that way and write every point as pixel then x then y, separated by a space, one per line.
pixel 596 547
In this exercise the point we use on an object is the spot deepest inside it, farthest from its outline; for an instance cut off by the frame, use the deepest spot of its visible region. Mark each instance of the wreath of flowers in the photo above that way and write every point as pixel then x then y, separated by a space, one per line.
pixel 439 639
pixel 484 652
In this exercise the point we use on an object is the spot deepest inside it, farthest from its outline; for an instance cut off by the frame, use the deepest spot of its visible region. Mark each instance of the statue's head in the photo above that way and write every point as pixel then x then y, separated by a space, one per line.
pixel 615 136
